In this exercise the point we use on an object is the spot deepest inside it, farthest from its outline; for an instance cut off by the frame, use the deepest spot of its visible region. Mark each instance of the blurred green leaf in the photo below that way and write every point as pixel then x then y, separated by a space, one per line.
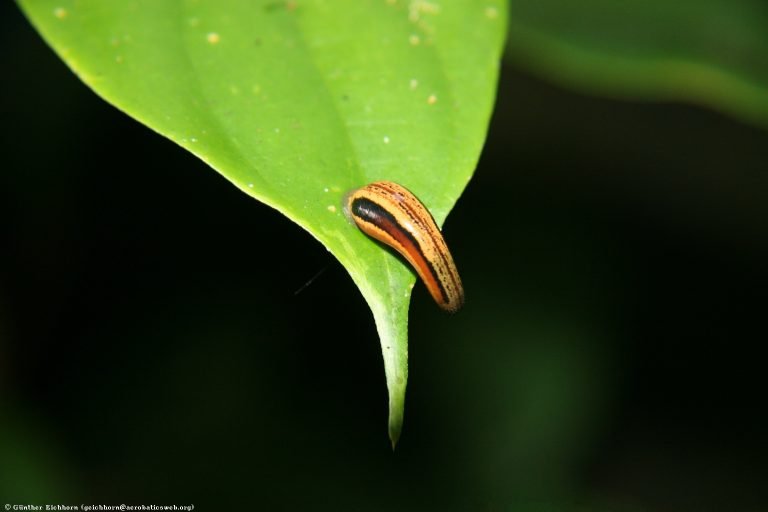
pixel 712 52
pixel 296 102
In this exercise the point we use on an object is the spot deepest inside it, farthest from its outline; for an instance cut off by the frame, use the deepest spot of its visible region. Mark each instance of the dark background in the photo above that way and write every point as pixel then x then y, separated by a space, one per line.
pixel 152 349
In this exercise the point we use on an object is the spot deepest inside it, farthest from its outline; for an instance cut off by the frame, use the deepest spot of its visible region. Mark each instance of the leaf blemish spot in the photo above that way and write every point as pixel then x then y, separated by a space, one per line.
pixel 60 13
pixel 332 209
pixel 414 40
pixel 419 7
pixel 432 99
pixel 386 139
pixel 250 185
pixel 213 37
pixel 414 83
pixel 491 13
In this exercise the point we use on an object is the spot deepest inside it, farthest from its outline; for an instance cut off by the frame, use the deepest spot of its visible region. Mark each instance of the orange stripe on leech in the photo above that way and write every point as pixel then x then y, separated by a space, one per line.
pixel 419 215
pixel 402 244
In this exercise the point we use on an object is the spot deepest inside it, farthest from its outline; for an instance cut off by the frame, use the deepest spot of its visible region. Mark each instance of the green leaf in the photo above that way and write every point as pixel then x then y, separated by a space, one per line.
pixel 712 52
pixel 297 102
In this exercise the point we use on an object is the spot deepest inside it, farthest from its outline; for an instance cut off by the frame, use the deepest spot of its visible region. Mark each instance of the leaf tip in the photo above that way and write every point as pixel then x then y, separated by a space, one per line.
pixel 394 437
pixel 395 427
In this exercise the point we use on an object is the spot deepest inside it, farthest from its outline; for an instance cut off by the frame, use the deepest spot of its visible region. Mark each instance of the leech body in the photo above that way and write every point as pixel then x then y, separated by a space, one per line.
pixel 391 214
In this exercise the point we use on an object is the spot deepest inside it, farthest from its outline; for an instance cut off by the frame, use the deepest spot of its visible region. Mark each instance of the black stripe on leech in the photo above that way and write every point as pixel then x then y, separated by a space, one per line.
pixel 377 215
